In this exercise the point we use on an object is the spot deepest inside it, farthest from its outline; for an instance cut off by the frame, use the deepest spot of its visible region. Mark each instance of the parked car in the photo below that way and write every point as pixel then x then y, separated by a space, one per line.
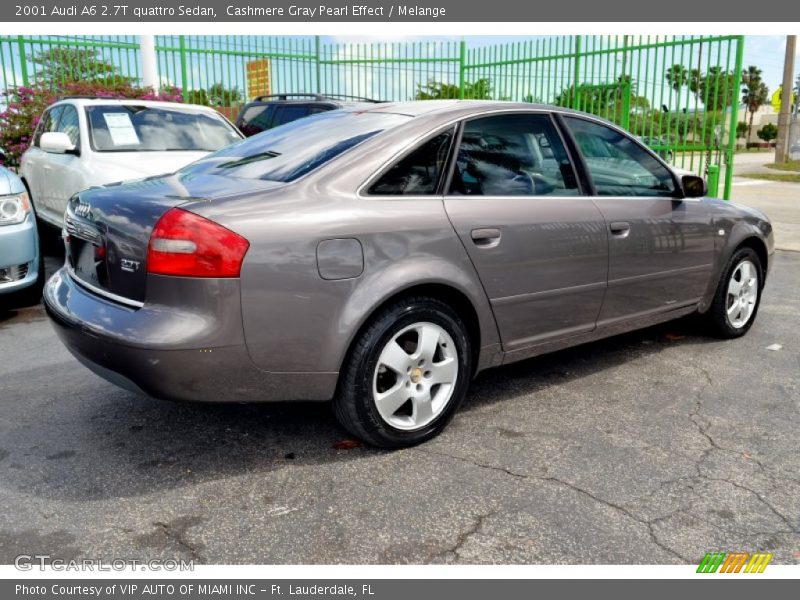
pixel 21 265
pixel 83 142
pixel 266 112
pixel 383 257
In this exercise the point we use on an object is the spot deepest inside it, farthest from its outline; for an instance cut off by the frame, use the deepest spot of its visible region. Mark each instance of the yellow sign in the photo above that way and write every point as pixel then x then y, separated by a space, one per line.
pixel 259 78
pixel 775 100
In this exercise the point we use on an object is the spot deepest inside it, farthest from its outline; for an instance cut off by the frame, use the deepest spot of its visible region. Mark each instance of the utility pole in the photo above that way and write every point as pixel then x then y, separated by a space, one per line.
pixel 784 118
pixel 147 48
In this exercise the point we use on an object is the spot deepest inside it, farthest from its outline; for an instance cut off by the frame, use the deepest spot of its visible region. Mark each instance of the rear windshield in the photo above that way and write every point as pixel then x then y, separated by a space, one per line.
pixel 130 128
pixel 292 150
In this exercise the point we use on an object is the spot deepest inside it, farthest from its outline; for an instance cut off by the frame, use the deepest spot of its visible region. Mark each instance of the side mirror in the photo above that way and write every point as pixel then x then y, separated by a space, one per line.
pixel 57 142
pixel 694 186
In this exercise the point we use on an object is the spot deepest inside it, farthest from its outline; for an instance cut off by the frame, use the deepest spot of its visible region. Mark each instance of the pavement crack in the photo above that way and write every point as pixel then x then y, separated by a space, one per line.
pixel 476 464
pixel 764 501
pixel 648 523
pixel 179 539
pixel 464 536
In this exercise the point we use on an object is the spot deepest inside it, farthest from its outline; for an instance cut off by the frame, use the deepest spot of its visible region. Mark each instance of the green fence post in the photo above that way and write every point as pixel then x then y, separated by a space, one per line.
pixel 576 76
pixel 625 117
pixel 713 181
pixel 184 70
pixel 729 153
pixel 462 57
pixel 319 67
pixel 23 60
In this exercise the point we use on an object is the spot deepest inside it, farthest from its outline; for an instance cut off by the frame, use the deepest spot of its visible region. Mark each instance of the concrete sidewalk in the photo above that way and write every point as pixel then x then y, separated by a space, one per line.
pixel 779 201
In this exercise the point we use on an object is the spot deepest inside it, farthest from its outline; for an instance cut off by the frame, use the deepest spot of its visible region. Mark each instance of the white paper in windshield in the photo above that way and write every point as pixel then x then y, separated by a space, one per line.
pixel 121 129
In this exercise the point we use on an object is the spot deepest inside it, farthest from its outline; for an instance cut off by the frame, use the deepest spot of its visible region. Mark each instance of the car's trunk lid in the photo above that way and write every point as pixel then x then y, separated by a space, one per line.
pixel 108 228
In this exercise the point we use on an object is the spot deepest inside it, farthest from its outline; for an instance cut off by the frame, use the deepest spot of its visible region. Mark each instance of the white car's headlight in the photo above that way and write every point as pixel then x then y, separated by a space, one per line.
pixel 14 208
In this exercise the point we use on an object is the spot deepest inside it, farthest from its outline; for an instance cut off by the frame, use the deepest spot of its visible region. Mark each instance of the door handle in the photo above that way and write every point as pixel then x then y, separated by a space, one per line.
pixel 485 238
pixel 620 228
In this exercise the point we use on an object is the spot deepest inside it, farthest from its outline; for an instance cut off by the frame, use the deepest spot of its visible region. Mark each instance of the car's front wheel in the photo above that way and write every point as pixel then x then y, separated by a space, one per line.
pixel 738 295
pixel 406 375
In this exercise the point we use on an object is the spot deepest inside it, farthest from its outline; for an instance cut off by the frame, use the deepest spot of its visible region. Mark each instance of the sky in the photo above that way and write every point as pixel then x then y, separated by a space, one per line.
pixel 764 51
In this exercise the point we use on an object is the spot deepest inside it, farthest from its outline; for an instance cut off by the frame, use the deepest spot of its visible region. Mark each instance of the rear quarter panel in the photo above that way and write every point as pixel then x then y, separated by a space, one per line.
pixel 294 320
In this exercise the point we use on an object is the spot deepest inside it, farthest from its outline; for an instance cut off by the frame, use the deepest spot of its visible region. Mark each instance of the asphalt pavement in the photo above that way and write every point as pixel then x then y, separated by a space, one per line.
pixel 650 448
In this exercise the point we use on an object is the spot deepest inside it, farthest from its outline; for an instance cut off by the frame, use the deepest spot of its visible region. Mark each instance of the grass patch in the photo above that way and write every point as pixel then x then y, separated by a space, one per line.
pixel 792 165
pixel 784 177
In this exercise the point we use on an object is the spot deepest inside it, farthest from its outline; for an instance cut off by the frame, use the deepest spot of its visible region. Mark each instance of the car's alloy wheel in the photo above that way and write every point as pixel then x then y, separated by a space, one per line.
pixel 735 305
pixel 406 374
pixel 415 376
pixel 742 294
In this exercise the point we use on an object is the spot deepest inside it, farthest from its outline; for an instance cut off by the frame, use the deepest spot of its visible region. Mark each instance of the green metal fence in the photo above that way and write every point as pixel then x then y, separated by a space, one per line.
pixel 680 94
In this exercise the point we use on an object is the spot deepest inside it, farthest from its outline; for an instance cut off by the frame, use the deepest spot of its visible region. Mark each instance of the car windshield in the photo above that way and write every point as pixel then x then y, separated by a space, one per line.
pixel 292 150
pixel 132 128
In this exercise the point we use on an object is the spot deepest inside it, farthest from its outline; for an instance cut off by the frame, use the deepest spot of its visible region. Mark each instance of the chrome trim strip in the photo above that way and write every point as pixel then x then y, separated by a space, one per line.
pixel 584 287
pixel 103 293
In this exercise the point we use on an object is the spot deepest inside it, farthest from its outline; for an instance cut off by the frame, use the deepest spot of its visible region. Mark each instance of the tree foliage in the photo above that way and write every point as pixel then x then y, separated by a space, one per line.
pixel 716 90
pixel 439 90
pixel 216 95
pixel 755 94
pixel 62 65
pixel 768 132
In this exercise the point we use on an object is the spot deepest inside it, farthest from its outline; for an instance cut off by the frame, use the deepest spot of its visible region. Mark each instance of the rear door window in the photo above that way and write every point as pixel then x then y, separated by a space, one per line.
pixel 419 172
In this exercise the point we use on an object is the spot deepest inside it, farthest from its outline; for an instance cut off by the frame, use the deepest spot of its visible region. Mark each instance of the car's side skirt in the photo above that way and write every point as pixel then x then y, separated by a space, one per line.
pixel 602 331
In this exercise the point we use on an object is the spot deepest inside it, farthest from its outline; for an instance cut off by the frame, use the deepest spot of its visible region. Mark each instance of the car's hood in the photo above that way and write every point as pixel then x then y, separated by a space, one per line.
pixel 10 183
pixel 111 167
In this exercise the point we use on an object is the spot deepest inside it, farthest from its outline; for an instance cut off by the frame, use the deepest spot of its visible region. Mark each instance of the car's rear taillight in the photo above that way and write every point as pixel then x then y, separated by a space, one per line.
pixel 184 244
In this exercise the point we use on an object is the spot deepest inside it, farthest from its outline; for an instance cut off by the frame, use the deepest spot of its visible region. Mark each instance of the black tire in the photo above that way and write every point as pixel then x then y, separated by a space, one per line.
pixel 717 315
pixel 353 404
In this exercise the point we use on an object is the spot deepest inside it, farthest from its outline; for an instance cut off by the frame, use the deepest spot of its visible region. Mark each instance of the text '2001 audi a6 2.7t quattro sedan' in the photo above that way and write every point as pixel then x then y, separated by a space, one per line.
pixel 382 256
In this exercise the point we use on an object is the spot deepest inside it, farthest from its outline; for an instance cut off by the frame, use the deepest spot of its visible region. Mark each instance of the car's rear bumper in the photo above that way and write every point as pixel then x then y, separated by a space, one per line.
pixel 98 332
pixel 19 256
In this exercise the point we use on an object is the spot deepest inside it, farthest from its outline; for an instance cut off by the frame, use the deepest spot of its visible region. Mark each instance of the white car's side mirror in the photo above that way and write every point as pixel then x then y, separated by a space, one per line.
pixel 56 142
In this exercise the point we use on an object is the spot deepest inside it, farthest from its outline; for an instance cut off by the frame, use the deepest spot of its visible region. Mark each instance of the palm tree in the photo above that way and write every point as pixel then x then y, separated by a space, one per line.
pixel 755 94
pixel 677 77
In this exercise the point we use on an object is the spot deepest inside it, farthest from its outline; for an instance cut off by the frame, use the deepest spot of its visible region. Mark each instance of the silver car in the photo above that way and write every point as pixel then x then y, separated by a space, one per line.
pixel 381 257
pixel 21 265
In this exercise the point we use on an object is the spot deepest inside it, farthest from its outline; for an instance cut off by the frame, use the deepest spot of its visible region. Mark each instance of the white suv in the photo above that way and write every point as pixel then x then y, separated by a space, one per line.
pixel 83 142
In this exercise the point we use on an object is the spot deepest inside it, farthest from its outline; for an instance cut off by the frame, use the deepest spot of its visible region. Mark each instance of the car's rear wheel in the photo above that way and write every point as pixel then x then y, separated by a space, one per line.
pixel 738 295
pixel 406 375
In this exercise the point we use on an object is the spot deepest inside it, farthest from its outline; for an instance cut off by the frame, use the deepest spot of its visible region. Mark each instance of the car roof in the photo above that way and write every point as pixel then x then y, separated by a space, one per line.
pixel 84 101
pixel 416 108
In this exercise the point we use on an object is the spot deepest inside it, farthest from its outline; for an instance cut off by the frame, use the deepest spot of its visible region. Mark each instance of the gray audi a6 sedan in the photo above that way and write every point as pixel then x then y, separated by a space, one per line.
pixel 382 256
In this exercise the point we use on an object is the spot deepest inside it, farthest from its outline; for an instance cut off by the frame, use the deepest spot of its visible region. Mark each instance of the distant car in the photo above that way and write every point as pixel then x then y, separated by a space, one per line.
pixel 382 257
pixel 267 112
pixel 21 269
pixel 83 142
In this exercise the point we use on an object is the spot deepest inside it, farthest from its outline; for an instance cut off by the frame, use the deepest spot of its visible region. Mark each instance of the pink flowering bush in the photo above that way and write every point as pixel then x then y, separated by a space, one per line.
pixel 24 107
